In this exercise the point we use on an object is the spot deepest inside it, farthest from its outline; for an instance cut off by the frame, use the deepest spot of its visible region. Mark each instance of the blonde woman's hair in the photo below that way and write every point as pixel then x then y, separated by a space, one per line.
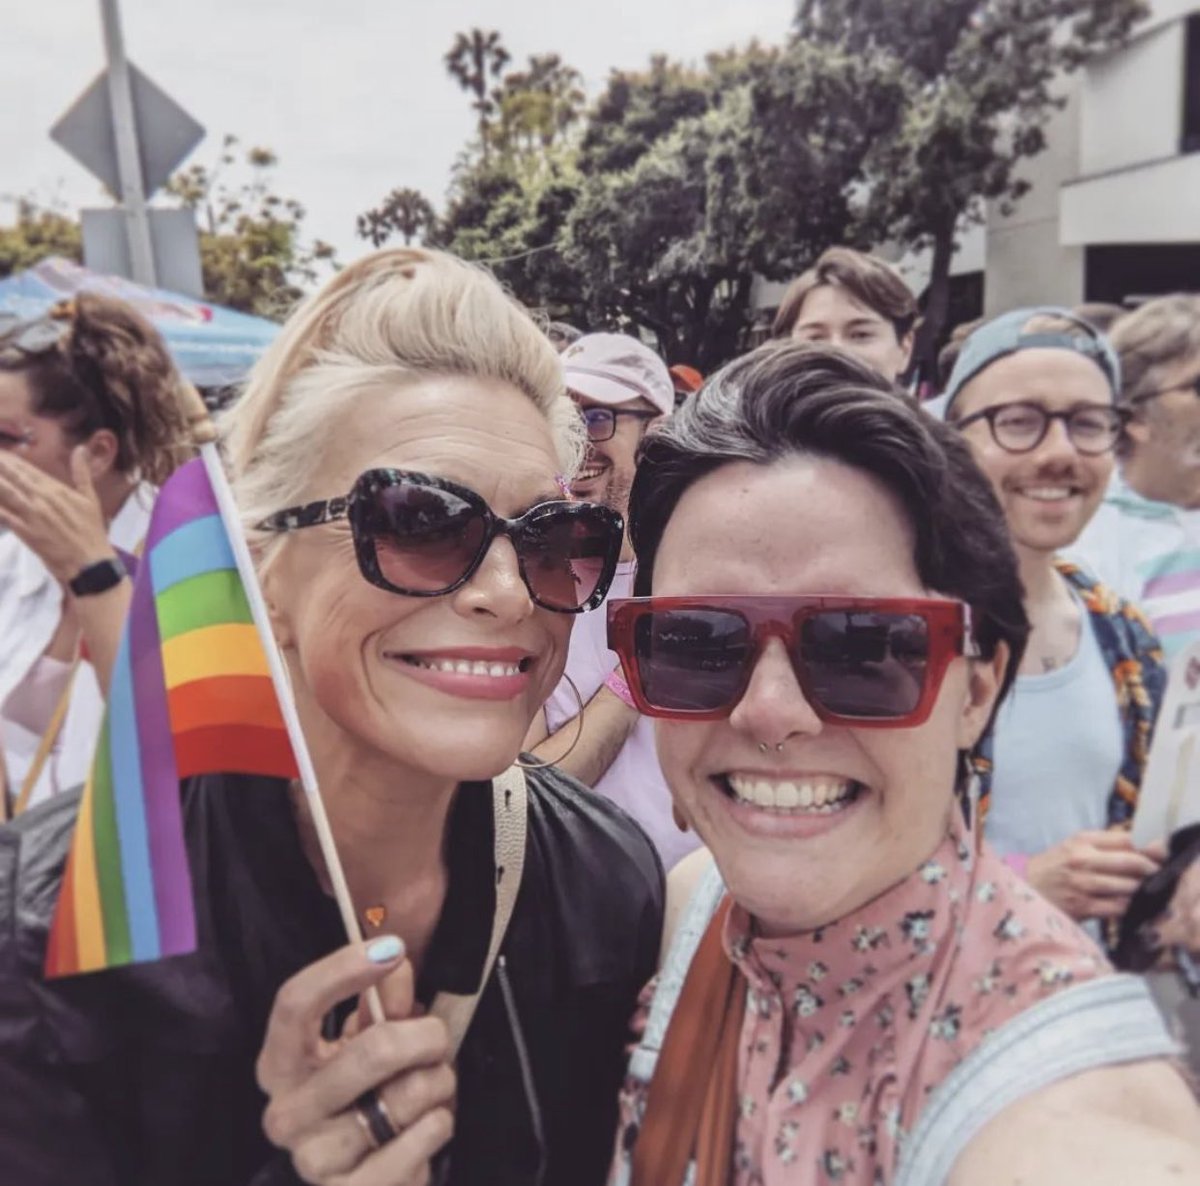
pixel 392 317
pixel 1154 338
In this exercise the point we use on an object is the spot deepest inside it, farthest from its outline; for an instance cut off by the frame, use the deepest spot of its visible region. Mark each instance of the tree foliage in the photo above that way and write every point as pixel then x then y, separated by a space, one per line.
pixel 38 232
pixel 639 108
pixel 679 186
pixel 253 256
pixel 405 212
pixel 475 58
pixel 656 208
pixel 978 81
pixel 536 108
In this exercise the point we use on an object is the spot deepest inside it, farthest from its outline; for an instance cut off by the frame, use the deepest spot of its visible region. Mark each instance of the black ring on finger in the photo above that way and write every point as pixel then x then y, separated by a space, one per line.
pixel 373 1115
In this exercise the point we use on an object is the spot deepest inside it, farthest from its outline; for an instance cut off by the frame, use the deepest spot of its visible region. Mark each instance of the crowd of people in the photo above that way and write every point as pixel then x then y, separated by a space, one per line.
pixel 734 778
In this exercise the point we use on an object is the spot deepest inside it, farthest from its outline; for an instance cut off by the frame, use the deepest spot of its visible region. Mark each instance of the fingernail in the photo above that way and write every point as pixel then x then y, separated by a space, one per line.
pixel 385 950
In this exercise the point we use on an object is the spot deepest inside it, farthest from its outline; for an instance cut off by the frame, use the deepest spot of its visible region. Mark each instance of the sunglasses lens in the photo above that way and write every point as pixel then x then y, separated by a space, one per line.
pixel 692 660
pixel 866 665
pixel 425 538
pixel 563 553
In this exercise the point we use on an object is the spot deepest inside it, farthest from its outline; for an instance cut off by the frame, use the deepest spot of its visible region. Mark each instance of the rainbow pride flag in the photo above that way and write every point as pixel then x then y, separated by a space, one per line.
pixel 191 694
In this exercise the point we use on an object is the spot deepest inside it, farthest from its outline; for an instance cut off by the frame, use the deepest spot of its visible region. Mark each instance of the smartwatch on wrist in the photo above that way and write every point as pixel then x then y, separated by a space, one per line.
pixel 98 577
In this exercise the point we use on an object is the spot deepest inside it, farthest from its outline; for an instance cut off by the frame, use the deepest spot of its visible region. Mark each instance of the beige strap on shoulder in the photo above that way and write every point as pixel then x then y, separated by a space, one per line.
pixel 49 737
pixel 510 812
pixel 52 730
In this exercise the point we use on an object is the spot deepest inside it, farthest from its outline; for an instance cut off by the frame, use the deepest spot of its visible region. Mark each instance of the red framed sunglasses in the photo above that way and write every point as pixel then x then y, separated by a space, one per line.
pixel 868 662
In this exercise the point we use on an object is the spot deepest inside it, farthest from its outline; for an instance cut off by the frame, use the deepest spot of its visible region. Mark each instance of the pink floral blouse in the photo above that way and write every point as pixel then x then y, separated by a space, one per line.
pixel 850 1027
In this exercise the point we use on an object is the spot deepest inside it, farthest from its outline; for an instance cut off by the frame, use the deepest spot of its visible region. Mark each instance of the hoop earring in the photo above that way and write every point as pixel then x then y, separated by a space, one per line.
pixel 537 765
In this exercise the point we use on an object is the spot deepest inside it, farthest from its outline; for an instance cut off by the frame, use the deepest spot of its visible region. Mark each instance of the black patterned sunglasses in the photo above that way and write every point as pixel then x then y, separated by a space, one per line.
pixel 422 536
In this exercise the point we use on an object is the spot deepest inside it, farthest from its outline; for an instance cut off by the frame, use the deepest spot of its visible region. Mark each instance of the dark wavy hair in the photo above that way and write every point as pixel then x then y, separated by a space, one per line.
pixel 787 400
pixel 110 369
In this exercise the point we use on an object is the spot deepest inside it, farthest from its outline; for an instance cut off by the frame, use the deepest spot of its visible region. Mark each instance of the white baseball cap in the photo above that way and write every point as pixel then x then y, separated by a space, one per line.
pixel 615 368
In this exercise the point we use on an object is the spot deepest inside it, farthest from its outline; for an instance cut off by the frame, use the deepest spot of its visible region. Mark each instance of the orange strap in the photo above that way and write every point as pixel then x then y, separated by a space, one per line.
pixel 691 1105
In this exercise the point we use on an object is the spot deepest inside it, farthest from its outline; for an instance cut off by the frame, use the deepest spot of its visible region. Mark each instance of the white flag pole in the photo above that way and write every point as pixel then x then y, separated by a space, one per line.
pixel 204 433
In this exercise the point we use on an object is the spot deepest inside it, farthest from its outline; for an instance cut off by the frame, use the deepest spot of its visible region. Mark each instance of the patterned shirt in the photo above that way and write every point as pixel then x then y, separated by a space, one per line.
pixel 849 1029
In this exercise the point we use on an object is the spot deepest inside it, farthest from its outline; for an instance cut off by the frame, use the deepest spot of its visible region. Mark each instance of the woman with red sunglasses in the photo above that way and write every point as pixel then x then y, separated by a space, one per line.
pixel 399 459
pixel 855 989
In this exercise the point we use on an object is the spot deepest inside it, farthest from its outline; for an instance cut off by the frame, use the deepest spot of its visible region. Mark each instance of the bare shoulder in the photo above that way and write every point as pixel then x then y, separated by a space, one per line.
pixel 1138 1122
pixel 681 883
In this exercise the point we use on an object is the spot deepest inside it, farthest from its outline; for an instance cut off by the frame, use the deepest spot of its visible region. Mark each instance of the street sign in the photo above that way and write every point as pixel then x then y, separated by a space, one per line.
pixel 166 133
pixel 173 239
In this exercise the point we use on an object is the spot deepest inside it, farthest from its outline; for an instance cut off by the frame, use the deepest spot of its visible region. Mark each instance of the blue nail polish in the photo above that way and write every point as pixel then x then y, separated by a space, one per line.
pixel 385 950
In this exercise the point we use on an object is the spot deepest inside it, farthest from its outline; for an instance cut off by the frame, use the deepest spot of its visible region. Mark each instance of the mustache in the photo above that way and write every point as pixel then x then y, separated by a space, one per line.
pixel 1065 471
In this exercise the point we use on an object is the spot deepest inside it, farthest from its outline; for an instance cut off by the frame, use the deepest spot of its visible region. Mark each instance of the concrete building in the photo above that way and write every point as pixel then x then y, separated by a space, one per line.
pixel 1114 209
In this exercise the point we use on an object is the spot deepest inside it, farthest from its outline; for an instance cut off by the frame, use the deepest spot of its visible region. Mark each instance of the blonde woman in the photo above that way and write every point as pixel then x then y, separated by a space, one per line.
pixel 398 458
pixel 91 423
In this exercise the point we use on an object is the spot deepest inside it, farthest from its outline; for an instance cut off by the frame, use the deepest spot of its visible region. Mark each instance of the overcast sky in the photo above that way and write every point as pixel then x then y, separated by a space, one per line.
pixel 351 94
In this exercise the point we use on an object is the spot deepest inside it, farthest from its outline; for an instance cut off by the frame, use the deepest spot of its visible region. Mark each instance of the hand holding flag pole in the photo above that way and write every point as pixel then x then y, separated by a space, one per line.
pixel 199 686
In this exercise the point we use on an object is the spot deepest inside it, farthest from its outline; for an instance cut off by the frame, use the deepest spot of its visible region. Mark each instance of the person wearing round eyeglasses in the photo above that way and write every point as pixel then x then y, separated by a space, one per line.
pixel 1034 394
pixel 590 727
pixel 398 460
pixel 91 423
pixel 854 989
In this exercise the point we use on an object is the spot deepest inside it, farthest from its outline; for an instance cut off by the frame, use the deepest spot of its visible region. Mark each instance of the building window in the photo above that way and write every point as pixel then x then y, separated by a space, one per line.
pixel 1191 86
pixel 1129 272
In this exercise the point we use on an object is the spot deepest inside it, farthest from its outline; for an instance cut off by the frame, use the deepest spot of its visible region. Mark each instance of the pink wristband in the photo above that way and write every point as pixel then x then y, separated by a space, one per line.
pixel 1017 862
pixel 615 683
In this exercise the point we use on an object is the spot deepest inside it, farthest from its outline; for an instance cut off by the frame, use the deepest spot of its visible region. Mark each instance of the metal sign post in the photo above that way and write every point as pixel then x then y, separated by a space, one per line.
pixel 132 136
pixel 133 197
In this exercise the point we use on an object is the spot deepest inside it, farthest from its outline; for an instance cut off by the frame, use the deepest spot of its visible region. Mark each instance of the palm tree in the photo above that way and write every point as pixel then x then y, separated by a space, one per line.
pixel 564 85
pixel 473 59
pixel 405 211
pixel 537 106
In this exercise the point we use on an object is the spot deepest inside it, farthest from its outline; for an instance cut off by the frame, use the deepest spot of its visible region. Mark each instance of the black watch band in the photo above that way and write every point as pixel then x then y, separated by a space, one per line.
pixel 98 577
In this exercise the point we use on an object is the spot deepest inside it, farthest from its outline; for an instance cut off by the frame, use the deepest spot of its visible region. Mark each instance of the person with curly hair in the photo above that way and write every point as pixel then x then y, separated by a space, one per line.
pixel 91 423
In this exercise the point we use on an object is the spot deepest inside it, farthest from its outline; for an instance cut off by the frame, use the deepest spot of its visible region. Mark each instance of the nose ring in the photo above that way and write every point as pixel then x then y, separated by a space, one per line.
pixel 763 747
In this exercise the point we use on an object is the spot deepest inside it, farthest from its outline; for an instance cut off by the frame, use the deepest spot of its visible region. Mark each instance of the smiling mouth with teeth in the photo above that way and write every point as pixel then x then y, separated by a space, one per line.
pixel 815 796
pixel 469 666
pixel 1049 493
